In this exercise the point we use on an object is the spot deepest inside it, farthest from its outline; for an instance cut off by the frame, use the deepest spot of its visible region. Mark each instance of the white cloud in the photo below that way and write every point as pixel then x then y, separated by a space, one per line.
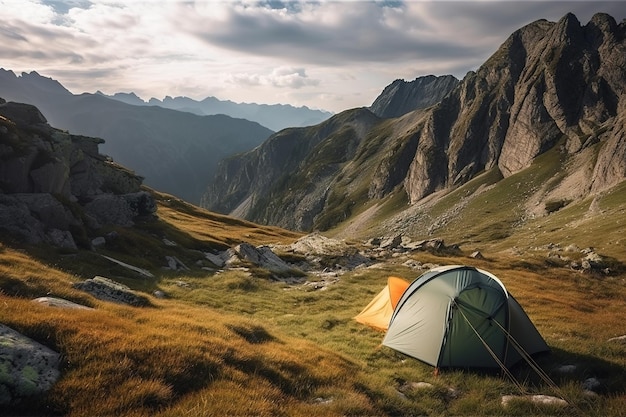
pixel 281 77
pixel 324 54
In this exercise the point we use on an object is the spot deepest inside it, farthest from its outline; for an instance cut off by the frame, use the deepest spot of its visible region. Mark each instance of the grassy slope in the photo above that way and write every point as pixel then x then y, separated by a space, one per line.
pixel 232 343
pixel 490 213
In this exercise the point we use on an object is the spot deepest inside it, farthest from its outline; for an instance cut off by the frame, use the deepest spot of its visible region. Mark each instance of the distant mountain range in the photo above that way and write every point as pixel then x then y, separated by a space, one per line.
pixel 176 152
pixel 549 106
pixel 273 116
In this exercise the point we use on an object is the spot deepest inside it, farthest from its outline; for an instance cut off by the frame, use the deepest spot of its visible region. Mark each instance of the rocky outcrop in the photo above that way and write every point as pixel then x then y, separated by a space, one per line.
pixel 108 290
pixel 55 187
pixel 27 368
pixel 401 97
pixel 261 256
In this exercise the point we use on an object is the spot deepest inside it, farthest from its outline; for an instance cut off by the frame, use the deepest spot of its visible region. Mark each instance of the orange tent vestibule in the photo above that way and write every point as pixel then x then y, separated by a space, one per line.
pixel 378 312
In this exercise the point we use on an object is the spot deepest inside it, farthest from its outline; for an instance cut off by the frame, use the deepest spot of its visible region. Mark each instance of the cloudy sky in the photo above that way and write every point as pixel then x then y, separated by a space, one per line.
pixel 331 55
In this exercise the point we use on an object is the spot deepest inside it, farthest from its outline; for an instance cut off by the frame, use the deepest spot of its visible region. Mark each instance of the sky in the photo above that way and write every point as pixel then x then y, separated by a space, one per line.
pixel 330 55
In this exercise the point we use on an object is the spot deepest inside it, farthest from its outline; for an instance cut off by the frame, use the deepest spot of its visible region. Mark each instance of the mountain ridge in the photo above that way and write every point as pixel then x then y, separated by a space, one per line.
pixel 273 116
pixel 176 152
pixel 551 85
pixel 401 97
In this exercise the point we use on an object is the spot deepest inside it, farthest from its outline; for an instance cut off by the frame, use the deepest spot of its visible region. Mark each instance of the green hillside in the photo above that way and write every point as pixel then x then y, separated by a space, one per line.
pixel 238 343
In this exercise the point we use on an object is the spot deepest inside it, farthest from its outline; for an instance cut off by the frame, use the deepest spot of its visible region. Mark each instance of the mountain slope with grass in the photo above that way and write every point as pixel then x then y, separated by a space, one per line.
pixel 221 333
pixel 552 94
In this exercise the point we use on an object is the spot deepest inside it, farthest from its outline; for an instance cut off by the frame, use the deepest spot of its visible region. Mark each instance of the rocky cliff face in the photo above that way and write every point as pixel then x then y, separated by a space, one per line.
pixel 291 172
pixel 401 97
pixel 55 187
pixel 550 85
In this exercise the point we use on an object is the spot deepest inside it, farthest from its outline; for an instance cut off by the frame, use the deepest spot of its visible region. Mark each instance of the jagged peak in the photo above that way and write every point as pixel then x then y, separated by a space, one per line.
pixel 568 28
pixel 603 22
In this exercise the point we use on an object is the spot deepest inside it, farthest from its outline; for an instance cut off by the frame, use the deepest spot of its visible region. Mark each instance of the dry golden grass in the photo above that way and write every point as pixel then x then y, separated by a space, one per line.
pixel 215 228
pixel 237 344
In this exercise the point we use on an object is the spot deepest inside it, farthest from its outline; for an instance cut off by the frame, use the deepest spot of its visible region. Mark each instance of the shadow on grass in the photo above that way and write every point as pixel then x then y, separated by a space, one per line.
pixel 565 368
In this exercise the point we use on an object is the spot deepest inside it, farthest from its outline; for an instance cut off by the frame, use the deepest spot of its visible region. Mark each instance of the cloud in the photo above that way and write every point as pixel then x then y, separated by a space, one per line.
pixel 282 77
pixel 324 54
pixel 328 33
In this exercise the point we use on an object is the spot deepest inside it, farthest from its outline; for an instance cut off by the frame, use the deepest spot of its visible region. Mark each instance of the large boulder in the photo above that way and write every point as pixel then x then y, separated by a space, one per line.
pixel 108 290
pixel 121 209
pixel 27 368
pixel 261 256
pixel 37 218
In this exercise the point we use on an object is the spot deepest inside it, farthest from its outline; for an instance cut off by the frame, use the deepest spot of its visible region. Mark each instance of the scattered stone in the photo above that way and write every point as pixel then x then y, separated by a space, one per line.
pixel 477 255
pixel 453 393
pixel 322 400
pixel 375 241
pixel 159 294
pixel 108 290
pixel 566 369
pixel 413 264
pixel 416 386
pixel 169 243
pixel 140 271
pixel 318 244
pixel 98 241
pixel 391 242
pixel 61 239
pixel 261 256
pixel 536 399
pixel 175 264
pixel 27 368
pixel 60 303
pixel 216 260
pixel 322 284
pixel 592 384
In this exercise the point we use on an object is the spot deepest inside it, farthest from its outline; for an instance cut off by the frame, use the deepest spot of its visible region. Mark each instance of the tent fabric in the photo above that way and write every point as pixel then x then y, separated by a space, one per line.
pixel 459 317
pixel 379 311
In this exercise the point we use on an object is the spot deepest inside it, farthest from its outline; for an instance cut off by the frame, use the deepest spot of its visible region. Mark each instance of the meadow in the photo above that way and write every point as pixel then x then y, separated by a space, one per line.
pixel 238 343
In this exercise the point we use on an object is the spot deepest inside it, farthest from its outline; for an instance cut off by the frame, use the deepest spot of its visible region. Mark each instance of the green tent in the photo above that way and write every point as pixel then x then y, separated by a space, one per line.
pixel 462 317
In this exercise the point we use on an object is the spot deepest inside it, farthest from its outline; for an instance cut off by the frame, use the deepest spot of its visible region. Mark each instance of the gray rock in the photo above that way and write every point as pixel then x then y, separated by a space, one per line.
pixel 262 256
pixel 216 260
pixel 591 384
pixel 120 209
pixel 566 369
pixel 61 239
pixel 60 303
pixel 391 242
pixel 109 290
pixel 37 218
pixel 535 399
pixel 175 264
pixel 27 368
pixel 98 241
pixel 136 269
pixel 401 97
